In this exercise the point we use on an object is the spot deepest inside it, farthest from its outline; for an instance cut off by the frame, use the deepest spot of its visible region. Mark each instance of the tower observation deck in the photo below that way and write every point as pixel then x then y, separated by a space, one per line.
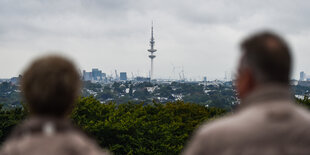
pixel 152 51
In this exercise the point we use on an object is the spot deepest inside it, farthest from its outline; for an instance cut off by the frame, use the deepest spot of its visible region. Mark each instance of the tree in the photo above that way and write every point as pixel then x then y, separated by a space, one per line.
pixel 141 129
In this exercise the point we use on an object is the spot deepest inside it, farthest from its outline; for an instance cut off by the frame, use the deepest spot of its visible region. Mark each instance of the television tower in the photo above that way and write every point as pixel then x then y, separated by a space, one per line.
pixel 152 50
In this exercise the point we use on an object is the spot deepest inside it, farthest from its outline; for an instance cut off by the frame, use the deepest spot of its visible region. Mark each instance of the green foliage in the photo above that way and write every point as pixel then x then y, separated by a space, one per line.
pixel 304 102
pixel 91 86
pixel 141 129
pixel 141 93
pixel 130 128
pixel 8 119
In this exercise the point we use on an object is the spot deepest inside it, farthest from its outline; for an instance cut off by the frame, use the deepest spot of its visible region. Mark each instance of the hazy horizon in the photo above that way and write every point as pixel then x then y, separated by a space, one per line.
pixel 202 37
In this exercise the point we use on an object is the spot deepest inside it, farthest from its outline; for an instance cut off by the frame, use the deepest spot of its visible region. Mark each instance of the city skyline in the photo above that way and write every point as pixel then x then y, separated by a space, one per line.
pixel 198 38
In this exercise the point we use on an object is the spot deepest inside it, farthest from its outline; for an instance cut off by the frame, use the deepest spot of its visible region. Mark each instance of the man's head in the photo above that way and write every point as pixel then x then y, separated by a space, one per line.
pixel 266 59
pixel 50 86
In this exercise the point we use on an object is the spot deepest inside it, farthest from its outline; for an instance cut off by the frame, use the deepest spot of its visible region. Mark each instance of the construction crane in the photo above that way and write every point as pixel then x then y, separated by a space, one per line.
pixel 132 76
pixel 116 75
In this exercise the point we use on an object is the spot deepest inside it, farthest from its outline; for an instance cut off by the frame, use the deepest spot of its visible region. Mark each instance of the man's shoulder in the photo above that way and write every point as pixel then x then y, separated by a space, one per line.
pixel 268 124
pixel 252 122
pixel 255 117
pixel 220 127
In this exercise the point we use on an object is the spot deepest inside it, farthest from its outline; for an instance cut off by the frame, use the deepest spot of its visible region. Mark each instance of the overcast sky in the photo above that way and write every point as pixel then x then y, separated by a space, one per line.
pixel 200 36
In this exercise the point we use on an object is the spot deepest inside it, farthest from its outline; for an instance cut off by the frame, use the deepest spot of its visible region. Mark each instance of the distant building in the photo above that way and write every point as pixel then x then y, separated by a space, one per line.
pixel 104 75
pixel 15 80
pixel 142 79
pixel 123 76
pixel 303 76
pixel 4 80
pixel 304 83
pixel 95 75
pixel 205 79
pixel 87 76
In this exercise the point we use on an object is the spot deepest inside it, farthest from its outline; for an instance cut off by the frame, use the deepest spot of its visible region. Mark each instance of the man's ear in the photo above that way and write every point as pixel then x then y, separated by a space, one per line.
pixel 250 80
pixel 246 83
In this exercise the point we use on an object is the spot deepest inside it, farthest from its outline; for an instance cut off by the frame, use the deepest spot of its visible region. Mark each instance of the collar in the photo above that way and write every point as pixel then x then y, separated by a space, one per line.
pixel 45 125
pixel 267 93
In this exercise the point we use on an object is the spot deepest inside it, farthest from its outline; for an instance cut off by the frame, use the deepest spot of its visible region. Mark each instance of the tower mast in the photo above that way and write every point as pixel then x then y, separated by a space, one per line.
pixel 152 51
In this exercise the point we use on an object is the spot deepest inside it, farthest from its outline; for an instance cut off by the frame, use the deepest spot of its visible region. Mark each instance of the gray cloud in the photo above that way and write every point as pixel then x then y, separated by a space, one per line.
pixel 202 36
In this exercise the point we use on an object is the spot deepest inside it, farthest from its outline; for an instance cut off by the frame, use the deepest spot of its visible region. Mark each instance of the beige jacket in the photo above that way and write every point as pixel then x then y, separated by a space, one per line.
pixel 41 136
pixel 270 123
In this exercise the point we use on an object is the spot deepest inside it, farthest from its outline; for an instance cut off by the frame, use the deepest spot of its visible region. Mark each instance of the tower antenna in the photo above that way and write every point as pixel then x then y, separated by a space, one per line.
pixel 152 51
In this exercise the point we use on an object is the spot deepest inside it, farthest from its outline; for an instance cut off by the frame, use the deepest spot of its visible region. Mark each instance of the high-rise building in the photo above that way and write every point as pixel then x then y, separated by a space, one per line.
pixel 123 76
pixel 95 75
pixel 87 76
pixel 152 51
pixel 303 76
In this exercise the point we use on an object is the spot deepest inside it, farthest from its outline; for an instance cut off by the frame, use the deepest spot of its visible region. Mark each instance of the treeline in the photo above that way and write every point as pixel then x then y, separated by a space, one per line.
pixel 141 129
pixel 130 128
